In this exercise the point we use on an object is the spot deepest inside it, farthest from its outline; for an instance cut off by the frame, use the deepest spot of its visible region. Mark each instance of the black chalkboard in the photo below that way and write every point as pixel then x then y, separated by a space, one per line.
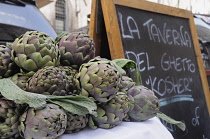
pixel 162 47
pixel 163 42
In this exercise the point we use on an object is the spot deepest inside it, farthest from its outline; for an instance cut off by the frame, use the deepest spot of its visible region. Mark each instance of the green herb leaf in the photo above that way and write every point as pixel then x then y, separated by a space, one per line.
pixel 180 124
pixel 127 64
pixel 122 72
pixel 75 104
pixel 12 92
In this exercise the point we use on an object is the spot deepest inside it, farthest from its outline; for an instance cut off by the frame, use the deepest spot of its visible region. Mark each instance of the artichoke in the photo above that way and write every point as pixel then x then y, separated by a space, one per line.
pixel 75 122
pixel 21 79
pixel 7 66
pixel 73 83
pixel 111 113
pixel 146 104
pixel 35 50
pixel 99 79
pixel 76 48
pixel 52 80
pixel 9 119
pixel 126 83
pixel 47 123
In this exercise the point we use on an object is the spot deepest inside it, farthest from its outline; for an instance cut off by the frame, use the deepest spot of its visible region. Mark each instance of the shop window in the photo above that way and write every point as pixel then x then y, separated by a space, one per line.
pixel 60 16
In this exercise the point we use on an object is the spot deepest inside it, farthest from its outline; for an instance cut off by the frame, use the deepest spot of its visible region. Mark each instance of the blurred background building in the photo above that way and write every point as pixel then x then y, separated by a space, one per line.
pixel 196 6
pixel 66 15
pixel 69 15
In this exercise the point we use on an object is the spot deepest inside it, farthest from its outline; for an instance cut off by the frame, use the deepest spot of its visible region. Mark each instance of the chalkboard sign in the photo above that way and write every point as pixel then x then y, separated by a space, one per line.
pixel 163 42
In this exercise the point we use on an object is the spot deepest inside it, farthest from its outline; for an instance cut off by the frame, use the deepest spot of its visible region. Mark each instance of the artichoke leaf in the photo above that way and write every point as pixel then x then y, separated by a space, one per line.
pixel 127 64
pixel 79 105
pixel 12 92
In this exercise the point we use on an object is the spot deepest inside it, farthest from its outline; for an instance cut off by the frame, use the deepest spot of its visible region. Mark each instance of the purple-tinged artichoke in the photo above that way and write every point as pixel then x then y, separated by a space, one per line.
pixel 7 66
pixel 76 48
pixel 35 50
pixel 73 83
pixel 99 79
pixel 75 122
pixel 47 123
pixel 9 119
pixel 111 113
pixel 126 83
pixel 146 104
pixel 21 79
pixel 52 80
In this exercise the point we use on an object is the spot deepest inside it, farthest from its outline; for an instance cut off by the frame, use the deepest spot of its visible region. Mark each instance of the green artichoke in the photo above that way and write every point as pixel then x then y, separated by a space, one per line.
pixel 52 80
pixel 99 79
pixel 111 113
pixel 35 50
pixel 146 104
pixel 76 48
pixel 75 122
pixel 7 66
pixel 9 119
pixel 21 79
pixel 47 123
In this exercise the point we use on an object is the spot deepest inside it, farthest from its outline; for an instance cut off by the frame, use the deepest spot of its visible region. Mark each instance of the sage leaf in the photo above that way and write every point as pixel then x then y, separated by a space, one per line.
pixel 127 64
pixel 120 70
pixel 79 105
pixel 180 124
pixel 12 92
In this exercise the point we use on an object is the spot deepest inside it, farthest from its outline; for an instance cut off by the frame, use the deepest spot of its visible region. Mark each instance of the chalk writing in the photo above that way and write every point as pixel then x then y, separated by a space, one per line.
pixel 140 59
pixel 179 64
pixel 169 84
pixel 168 36
pixel 132 31
pixel 195 121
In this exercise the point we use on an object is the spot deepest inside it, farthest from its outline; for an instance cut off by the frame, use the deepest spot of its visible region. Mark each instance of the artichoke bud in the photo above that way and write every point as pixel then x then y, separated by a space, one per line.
pixel 21 79
pixel 50 80
pixel 126 83
pixel 9 119
pixel 75 122
pixel 35 50
pixel 7 66
pixel 112 113
pixel 76 48
pixel 146 104
pixel 49 122
pixel 99 80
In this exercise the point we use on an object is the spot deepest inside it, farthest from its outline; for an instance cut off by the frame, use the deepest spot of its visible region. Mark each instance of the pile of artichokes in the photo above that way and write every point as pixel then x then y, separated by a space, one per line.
pixel 56 70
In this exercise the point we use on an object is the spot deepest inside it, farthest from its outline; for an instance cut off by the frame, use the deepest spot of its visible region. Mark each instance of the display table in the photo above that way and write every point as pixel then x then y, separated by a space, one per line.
pixel 150 129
